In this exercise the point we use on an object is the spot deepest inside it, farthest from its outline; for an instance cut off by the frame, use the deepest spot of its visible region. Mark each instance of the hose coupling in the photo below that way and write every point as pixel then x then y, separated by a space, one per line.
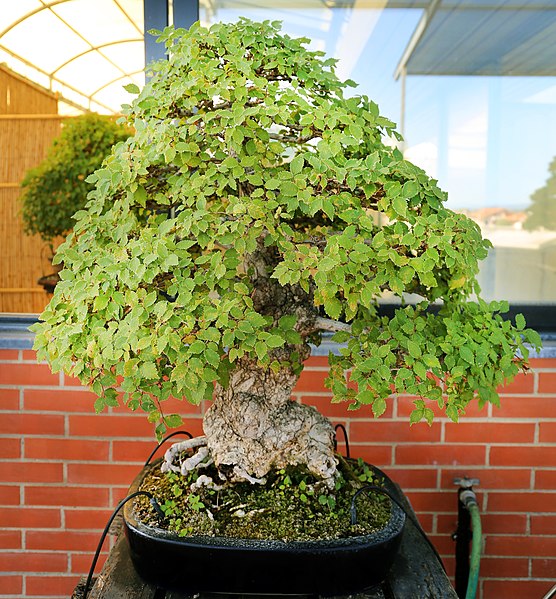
pixel 468 498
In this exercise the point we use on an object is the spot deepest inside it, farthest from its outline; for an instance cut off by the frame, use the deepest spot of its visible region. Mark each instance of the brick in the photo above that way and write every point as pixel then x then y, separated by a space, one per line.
pixel 31 424
pixel 58 585
pixel 67 496
pixel 406 406
pixel 378 455
pixel 379 431
pixel 311 380
pixel 316 362
pixel 490 478
pixel 119 493
pixel 9 399
pixel 10 539
pixel 27 375
pixel 102 425
pixel 70 381
pixel 339 411
pixel 522 502
pixel 545 479
pixel 102 474
pixel 543 525
pixel 489 432
pixel 496 567
pixel 547 432
pixel 59 400
pixel 10 448
pixel 426 521
pixel 432 501
pixel 9 355
pixel 441 454
pixel 27 561
pixel 31 472
pixel 444 544
pixel 9 495
pixel 547 382
pixel 29 517
pixel 79 519
pixel 413 478
pixel 171 405
pixel 545 363
pixel 523 383
pixel 526 406
pixel 522 456
pixel 491 523
pixel 543 568
pixel 137 451
pixel 11 585
pixel 507 545
pixel 61 540
pixel 518 589
pixel 67 449
pixel 29 355
pixel 81 562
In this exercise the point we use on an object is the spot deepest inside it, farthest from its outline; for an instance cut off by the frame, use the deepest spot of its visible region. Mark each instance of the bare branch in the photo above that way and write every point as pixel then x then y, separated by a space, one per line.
pixel 325 324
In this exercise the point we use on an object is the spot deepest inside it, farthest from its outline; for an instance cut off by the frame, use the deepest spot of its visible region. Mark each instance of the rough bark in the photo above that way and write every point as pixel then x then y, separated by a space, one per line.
pixel 253 426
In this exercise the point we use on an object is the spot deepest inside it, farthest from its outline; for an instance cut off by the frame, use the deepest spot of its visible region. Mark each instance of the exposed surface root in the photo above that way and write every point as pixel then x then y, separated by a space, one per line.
pixel 173 454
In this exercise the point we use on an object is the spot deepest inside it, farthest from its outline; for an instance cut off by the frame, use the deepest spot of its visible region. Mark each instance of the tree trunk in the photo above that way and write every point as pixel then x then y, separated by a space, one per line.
pixel 254 426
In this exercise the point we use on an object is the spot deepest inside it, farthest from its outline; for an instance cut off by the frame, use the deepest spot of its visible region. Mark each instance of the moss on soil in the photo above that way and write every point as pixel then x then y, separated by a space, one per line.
pixel 292 506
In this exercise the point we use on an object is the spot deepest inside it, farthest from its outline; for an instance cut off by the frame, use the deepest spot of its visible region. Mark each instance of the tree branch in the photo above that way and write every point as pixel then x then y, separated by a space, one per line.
pixel 325 324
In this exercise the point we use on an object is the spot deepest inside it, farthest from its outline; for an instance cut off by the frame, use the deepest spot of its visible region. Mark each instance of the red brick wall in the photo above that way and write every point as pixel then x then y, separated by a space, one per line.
pixel 62 469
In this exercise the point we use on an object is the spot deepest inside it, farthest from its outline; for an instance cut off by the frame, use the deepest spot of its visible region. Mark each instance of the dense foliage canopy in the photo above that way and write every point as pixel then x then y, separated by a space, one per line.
pixel 246 139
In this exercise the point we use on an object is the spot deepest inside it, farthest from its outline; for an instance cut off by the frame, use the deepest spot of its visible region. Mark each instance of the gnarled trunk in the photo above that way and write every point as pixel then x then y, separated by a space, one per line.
pixel 254 426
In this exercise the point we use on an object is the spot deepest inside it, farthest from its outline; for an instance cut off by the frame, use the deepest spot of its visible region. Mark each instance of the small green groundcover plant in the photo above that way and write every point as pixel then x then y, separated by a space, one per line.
pixel 257 206
pixel 56 189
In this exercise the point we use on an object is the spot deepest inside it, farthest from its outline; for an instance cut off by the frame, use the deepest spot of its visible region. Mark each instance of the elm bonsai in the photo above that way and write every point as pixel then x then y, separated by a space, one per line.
pixel 57 188
pixel 255 208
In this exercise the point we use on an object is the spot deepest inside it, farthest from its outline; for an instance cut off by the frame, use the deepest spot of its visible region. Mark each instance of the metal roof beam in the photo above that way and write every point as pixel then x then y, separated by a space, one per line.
pixel 422 26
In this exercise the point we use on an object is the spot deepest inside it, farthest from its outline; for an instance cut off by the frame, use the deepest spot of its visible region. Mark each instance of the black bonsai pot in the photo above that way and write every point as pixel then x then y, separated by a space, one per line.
pixel 224 565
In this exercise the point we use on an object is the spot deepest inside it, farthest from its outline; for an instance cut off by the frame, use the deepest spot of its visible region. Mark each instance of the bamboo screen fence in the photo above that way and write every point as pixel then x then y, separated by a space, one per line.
pixel 28 124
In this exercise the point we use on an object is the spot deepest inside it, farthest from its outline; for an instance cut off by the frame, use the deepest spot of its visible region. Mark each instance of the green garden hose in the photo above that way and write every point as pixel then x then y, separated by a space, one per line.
pixel 470 501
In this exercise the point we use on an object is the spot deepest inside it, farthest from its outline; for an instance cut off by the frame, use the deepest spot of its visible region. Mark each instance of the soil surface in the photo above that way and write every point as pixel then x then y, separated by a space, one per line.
pixel 292 506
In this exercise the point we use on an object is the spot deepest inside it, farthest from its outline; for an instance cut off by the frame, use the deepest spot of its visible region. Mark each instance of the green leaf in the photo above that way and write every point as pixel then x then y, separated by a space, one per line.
pixel 274 341
pixel 296 165
pixel 131 88
pixel 400 206
pixel 414 349
pixel 467 354
pixel 149 370
pixel 379 407
pixel 416 415
pixel 173 420
pixel 519 322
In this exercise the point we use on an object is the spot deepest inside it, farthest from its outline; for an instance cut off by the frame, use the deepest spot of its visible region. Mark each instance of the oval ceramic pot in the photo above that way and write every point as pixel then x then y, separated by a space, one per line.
pixel 224 565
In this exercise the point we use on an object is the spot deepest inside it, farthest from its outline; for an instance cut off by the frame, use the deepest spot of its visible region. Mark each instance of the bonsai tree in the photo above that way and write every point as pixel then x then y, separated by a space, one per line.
pixel 57 188
pixel 255 208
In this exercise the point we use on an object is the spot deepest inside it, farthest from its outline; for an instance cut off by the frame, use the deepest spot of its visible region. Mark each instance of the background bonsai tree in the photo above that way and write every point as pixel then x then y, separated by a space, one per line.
pixel 256 207
pixel 57 188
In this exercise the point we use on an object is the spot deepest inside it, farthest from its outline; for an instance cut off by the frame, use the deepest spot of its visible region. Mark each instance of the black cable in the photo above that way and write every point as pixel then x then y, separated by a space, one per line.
pixel 343 429
pixel 120 505
pixel 164 441
pixel 409 514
